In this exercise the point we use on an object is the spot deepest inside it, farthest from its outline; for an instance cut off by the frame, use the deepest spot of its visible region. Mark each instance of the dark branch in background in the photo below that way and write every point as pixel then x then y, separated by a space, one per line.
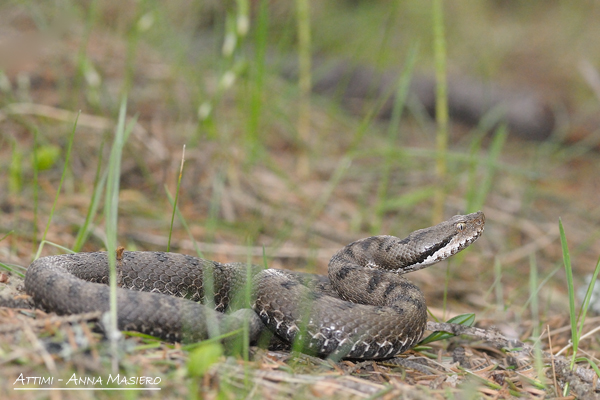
pixel 524 110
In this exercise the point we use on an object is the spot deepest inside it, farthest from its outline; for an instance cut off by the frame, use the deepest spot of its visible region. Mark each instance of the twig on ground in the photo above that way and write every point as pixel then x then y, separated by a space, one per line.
pixel 584 378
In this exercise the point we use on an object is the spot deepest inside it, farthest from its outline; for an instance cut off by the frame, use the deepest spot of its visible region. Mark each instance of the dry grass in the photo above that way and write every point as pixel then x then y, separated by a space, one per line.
pixel 243 189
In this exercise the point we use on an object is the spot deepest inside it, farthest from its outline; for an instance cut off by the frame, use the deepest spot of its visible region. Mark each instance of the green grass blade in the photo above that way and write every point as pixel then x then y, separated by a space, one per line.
pixel 498 287
pixel 463 319
pixel 176 198
pixel 15 170
pixel 571 289
pixel 15 269
pixel 408 200
pixel 257 90
pixel 304 82
pixel 62 179
pixel 539 287
pixel 587 298
pixel 393 131
pixel 111 212
pixel 36 184
pixel 58 246
pixel 441 106
pixel 183 222
pixel 337 176
pixel 535 314
pixel 477 201
pixel 591 363
pixel 99 184
pixel 7 235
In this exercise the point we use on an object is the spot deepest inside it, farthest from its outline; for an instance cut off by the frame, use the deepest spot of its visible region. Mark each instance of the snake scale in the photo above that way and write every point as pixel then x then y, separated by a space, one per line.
pixel 363 309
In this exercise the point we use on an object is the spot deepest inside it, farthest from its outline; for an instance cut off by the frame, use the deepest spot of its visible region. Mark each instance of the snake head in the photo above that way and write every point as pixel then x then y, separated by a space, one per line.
pixel 443 240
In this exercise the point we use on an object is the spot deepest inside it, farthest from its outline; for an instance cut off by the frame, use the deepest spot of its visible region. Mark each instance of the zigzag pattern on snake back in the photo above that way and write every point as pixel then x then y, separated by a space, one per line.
pixel 364 309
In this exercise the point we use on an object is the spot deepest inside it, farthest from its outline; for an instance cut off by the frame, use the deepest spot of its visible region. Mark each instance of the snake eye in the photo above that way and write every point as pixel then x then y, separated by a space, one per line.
pixel 461 226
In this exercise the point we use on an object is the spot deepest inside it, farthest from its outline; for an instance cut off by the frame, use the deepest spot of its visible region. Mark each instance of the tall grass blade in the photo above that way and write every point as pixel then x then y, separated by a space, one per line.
pixel 539 287
pixel 476 199
pixel 176 198
pixel 393 130
pixel 336 178
pixel 587 298
pixel 499 289
pixel 36 192
pixel 111 211
pixel 571 289
pixel 82 57
pixel 257 94
pixel 304 82
pixel 62 179
pixel 245 338
pixel 441 107
pixel 535 314
pixel 213 220
pixel 207 275
pixel 15 172
pixel 99 183
pixel 183 223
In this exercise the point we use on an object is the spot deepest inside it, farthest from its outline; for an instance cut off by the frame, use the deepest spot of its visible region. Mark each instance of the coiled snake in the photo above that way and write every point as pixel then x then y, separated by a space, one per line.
pixel 364 309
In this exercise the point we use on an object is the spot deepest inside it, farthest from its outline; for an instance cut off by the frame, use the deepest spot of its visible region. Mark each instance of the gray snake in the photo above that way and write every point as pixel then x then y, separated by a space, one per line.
pixel 363 309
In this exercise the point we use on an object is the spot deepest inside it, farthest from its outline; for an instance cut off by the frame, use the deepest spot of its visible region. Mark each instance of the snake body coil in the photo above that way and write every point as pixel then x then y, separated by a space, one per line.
pixel 364 309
